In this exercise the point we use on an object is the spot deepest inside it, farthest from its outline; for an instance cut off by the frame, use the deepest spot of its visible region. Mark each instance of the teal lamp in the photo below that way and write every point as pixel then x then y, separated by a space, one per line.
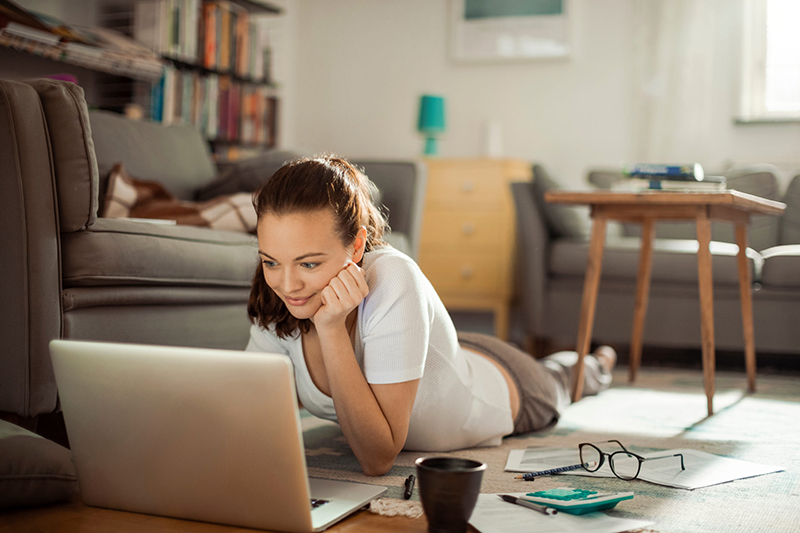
pixel 431 121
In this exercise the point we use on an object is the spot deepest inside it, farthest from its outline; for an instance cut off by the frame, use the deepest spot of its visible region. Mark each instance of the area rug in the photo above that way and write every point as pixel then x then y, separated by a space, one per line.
pixel 664 409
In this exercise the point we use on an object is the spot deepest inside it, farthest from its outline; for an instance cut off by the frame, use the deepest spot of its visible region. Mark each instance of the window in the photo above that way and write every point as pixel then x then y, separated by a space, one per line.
pixel 771 67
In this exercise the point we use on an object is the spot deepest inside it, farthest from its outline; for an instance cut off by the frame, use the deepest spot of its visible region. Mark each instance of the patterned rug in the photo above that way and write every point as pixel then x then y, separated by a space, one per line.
pixel 664 409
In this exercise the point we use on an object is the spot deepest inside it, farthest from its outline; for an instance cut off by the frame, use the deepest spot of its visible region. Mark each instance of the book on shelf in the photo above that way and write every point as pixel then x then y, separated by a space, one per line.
pixel 216 35
pixel 223 108
pixel 642 184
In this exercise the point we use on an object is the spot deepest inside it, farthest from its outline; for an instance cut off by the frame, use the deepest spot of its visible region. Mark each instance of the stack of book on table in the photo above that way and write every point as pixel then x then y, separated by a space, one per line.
pixel 652 177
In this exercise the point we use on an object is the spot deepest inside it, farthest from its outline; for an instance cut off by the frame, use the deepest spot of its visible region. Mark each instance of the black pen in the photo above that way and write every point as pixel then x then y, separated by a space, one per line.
pixel 530 505
pixel 409 487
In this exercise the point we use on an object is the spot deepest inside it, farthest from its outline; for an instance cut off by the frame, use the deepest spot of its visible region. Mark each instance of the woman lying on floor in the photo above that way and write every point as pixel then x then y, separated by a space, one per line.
pixel 373 347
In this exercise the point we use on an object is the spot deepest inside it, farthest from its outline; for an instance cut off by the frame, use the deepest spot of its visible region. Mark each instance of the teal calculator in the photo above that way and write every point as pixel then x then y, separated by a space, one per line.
pixel 577 501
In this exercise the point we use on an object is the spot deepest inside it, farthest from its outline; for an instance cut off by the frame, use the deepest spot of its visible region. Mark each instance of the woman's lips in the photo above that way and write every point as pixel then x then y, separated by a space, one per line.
pixel 297 302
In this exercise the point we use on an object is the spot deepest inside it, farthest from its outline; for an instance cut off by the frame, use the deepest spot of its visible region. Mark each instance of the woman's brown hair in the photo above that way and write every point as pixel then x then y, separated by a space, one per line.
pixel 307 185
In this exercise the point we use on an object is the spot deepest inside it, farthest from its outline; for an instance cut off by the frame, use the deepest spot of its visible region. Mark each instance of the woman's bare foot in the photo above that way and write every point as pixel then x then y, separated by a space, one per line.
pixel 606 356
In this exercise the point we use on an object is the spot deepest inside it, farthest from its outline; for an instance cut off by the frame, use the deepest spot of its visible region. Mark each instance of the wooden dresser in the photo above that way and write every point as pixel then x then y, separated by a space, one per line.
pixel 468 233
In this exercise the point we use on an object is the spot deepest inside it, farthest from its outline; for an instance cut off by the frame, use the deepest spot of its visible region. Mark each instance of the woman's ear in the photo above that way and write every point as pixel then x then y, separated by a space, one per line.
pixel 360 245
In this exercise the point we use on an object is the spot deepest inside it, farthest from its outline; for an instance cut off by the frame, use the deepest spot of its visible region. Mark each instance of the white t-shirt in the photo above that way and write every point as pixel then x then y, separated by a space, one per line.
pixel 404 332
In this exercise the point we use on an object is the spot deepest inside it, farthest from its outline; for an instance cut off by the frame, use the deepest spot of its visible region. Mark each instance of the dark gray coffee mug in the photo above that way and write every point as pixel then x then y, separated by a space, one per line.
pixel 448 488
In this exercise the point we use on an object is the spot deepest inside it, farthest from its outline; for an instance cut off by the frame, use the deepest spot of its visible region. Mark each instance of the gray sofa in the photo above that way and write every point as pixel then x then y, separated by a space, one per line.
pixel 553 246
pixel 66 273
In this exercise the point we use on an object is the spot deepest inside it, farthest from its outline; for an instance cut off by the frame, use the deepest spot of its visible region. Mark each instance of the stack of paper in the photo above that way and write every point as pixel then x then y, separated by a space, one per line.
pixel 702 469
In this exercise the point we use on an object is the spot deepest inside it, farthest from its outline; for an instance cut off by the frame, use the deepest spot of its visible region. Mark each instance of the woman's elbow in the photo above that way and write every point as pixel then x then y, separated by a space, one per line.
pixel 377 466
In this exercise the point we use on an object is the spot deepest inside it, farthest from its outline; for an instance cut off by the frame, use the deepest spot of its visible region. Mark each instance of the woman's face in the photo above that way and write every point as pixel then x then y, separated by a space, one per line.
pixel 300 253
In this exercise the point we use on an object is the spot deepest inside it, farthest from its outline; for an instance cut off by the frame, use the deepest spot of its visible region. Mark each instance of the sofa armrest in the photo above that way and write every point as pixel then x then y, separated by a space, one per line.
pixel 533 244
pixel 29 247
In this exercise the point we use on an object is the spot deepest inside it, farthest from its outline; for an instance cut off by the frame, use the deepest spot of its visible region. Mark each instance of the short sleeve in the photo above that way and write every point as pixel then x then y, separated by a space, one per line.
pixel 396 321
pixel 264 340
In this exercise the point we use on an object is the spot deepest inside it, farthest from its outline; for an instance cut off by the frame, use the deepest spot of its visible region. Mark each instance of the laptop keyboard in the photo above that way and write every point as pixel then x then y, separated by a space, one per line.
pixel 317 503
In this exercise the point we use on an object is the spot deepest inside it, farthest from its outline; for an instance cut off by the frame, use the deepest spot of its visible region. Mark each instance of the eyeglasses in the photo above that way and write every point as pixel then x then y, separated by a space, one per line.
pixel 624 464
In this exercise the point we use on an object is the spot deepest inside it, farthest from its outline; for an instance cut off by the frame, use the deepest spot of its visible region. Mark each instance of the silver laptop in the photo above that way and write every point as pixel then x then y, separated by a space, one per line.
pixel 210 435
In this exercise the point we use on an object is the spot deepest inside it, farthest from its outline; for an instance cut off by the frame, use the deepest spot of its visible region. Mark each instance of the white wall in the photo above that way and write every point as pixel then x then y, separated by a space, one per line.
pixel 362 64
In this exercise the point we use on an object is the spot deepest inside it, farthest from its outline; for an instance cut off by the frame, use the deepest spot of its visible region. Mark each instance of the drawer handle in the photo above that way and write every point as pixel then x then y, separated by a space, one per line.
pixel 466 272
pixel 467 186
pixel 468 228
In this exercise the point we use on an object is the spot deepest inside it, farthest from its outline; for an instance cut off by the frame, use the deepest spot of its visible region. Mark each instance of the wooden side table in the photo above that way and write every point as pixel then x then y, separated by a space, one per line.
pixel 646 208
pixel 468 233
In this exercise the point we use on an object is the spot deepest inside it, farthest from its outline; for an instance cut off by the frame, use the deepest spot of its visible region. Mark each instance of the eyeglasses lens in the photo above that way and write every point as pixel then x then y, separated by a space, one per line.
pixel 625 465
pixel 590 454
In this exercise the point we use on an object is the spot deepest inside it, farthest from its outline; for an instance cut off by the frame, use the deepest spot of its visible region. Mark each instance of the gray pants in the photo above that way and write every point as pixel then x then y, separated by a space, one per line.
pixel 544 385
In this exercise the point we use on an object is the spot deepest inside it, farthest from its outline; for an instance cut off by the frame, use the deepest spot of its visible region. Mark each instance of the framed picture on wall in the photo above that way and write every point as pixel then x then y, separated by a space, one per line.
pixel 508 30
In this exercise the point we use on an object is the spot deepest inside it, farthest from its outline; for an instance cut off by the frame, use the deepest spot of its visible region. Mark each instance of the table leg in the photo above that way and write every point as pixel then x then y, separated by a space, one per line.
pixel 705 283
pixel 594 264
pixel 642 293
pixel 747 307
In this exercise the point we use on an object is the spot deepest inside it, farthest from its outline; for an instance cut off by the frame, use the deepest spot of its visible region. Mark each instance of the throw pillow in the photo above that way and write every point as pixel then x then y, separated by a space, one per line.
pixel 33 470
pixel 562 221
pixel 790 221
pixel 247 175
pixel 128 197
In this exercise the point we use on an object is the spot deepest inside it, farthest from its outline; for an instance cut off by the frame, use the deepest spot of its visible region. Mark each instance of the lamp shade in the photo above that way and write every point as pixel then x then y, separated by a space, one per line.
pixel 431 114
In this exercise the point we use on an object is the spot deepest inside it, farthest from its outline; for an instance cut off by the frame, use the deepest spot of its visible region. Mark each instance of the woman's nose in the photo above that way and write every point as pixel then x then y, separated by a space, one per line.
pixel 291 282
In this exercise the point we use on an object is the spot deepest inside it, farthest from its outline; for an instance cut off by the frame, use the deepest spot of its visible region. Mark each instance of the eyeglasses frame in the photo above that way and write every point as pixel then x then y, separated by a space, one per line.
pixel 603 456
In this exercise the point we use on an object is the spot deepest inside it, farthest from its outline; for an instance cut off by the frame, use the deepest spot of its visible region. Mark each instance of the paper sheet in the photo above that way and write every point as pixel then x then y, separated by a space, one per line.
pixel 702 469
pixel 493 515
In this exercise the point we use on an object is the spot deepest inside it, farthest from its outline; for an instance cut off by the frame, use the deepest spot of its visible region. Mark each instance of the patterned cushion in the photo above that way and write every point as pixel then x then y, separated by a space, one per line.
pixel 128 197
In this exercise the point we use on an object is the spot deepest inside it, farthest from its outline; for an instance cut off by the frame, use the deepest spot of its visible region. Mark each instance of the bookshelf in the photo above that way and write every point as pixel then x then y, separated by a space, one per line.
pixel 216 69
pixel 96 49
pixel 199 62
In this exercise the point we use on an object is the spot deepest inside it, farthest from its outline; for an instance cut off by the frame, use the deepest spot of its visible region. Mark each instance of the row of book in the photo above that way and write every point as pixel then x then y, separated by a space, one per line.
pixel 215 34
pixel 92 47
pixel 223 109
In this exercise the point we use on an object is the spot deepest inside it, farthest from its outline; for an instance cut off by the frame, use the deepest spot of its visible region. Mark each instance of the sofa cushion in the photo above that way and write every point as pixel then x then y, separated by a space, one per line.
pixel 74 160
pixel 674 260
pixel 562 220
pixel 247 175
pixel 781 266
pixel 126 252
pixel 790 221
pixel 33 470
pixel 176 156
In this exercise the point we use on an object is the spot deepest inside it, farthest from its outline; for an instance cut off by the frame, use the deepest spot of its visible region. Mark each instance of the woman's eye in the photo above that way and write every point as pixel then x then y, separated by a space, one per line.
pixel 308 266
pixel 269 264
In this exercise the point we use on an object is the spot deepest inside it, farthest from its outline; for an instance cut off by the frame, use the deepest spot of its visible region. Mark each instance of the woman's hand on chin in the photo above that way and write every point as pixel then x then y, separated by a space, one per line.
pixel 342 294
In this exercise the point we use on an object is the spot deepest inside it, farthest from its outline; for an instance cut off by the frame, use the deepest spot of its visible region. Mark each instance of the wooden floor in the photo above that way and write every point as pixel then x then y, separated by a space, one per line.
pixel 75 517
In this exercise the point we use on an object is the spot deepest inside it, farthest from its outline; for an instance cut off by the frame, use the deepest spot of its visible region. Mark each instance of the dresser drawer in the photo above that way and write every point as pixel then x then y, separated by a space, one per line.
pixel 459 230
pixel 463 273
pixel 468 188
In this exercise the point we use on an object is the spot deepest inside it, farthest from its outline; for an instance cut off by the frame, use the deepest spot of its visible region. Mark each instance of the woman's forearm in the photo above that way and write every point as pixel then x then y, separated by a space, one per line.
pixel 363 422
